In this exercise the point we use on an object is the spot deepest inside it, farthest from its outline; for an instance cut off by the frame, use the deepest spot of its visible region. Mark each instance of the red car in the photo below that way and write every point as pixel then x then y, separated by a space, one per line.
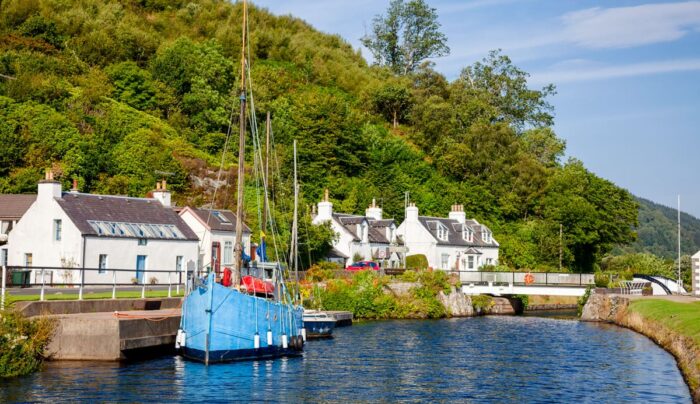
pixel 362 265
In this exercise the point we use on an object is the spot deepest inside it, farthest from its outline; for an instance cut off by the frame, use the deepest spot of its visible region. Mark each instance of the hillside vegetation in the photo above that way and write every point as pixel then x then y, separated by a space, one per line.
pixel 113 92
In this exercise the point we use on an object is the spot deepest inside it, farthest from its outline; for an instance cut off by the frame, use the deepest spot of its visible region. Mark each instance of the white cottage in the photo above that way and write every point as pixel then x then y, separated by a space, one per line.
pixel 452 243
pixel 216 231
pixel 12 208
pixel 371 236
pixel 74 230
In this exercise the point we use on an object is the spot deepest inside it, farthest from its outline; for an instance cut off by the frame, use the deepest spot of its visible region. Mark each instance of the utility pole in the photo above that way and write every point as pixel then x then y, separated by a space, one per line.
pixel 680 281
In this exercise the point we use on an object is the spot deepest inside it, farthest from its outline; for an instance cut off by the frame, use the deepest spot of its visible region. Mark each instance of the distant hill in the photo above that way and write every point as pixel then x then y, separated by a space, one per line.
pixel 657 231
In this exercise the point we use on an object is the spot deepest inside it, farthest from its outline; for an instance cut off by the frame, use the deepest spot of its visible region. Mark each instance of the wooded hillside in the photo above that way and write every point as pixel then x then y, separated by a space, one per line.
pixel 112 92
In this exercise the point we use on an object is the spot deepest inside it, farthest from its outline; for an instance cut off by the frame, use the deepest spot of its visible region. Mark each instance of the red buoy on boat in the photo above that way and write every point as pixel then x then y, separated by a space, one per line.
pixel 226 280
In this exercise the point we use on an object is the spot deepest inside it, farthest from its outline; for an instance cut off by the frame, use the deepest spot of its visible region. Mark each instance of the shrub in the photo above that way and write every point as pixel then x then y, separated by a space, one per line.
pixel 409 276
pixel 23 342
pixel 601 280
pixel 357 257
pixel 153 280
pixel 322 271
pixel 482 303
pixel 584 299
pixel 417 261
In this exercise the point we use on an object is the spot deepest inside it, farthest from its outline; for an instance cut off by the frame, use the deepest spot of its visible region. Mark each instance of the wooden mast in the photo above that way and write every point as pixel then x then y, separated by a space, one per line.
pixel 266 170
pixel 294 253
pixel 238 245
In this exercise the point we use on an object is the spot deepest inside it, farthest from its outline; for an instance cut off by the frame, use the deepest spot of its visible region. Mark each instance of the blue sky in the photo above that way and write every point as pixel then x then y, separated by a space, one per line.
pixel 627 75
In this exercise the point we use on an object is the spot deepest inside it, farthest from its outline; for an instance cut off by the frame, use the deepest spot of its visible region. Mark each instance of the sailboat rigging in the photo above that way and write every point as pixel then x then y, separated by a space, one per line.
pixel 223 323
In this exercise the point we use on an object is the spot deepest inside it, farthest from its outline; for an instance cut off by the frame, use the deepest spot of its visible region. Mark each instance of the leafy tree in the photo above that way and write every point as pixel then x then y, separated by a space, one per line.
pixel 392 101
pixel 406 36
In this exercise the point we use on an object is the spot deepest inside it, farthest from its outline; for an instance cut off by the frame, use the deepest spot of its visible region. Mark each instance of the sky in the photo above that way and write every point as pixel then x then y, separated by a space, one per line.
pixel 627 75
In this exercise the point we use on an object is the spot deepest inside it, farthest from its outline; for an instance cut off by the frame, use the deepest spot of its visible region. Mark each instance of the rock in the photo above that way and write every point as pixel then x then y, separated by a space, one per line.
pixel 606 308
pixel 457 304
pixel 505 306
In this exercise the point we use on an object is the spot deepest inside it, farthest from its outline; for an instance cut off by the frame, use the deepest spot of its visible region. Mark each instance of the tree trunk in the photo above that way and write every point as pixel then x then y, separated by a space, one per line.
pixel 396 121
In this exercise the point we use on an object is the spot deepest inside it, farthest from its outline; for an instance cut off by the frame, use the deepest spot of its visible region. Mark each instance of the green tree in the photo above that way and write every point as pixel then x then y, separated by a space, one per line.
pixel 392 101
pixel 408 34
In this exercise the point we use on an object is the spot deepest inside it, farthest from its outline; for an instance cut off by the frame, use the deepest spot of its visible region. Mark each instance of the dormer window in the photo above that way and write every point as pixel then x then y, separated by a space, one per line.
pixel 485 236
pixel 467 234
pixel 442 231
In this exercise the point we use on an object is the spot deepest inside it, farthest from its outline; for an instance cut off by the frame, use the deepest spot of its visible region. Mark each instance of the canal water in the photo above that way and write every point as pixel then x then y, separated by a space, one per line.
pixel 485 359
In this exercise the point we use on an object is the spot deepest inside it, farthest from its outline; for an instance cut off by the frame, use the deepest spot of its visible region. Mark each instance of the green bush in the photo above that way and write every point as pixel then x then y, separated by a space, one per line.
pixel 417 261
pixel 584 299
pixel 22 343
pixel 482 303
pixel 322 271
pixel 601 280
pixel 409 276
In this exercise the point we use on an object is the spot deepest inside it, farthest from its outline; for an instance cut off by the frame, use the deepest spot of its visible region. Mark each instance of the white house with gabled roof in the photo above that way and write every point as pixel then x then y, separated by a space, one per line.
pixel 216 231
pixel 67 230
pixel 370 236
pixel 452 243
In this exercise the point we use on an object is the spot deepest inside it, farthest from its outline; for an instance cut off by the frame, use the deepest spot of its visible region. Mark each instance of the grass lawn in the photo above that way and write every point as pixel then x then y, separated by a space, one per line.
pixel 73 295
pixel 684 318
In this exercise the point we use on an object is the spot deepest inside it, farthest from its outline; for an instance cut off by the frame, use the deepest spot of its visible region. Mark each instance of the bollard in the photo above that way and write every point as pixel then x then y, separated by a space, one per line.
pixel 114 284
pixel 179 281
pixel 43 283
pixel 2 296
pixel 143 290
pixel 82 282
pixel 170 284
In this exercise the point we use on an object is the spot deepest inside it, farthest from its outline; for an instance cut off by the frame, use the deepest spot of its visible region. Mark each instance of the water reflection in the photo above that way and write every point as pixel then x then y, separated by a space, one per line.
pixel 504 359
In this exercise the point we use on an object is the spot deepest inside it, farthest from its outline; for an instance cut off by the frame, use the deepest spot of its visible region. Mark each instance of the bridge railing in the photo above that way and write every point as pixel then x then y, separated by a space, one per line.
pixel 527 278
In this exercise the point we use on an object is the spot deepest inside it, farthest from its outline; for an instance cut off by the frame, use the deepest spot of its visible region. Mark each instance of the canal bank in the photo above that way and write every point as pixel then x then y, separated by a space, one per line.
pixel 672 323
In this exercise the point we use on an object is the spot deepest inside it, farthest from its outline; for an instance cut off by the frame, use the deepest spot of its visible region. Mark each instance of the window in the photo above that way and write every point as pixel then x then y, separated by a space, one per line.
pixel 445 261
pixel 3 257
pixel 220 216
pixel 102 265
pixel 467 234
pixel 143 241
pixel 441 231
pixel 57 229
pixel 486 236
pixel 470 262
pixel 178 263
pixel 28 259
pixel 228 253
pixel 489 261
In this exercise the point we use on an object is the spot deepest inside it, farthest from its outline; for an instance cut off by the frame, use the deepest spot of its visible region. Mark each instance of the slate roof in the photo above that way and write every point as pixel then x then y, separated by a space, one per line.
pixel 377 228
pixel 82 208
pixel 214 221
pixel 12 207
pixel 333 253
pixel 454 231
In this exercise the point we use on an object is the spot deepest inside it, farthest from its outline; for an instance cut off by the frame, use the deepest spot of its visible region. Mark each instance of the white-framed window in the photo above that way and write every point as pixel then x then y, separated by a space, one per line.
pixel 485 236
pixel 467 234
pixel 3 256
pixel 441 231
pixel 143 241
pixel 178 263
pixel 228 253
pixel 102 264
pixel 470 262
pixel 444 261
pixel 489 261
pixel 28 259
pixel 57 229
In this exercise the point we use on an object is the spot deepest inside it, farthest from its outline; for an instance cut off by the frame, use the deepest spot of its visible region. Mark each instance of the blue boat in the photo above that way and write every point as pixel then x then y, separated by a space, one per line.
pixel 221 324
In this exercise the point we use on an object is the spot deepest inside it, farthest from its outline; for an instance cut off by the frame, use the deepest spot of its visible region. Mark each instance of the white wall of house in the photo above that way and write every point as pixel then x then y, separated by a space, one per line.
pixel 695 283
pixel 35 233
pixel 207 237
pixel 420 241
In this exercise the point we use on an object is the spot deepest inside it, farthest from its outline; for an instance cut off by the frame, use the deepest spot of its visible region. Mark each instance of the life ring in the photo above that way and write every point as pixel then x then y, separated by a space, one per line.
pixel 529 279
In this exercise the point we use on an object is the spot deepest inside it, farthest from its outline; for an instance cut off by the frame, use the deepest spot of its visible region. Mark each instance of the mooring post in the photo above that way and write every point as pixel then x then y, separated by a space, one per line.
pixel 114 284
pixel 179 281
pixel 82 282
pixel 43 283
pixel 2 296
pixel 170 284
pixel 143 290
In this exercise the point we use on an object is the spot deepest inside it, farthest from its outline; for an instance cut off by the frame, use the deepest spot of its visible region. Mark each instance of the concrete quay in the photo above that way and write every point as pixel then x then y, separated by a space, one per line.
pixel 108 330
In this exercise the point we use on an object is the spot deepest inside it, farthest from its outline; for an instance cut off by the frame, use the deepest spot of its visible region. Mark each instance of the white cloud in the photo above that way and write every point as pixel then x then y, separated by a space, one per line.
pixel 623 27
pixel 565 74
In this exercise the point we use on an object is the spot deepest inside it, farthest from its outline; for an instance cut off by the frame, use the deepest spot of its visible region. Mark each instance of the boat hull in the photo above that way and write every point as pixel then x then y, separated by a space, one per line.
pixel 220 324
pixel 319 329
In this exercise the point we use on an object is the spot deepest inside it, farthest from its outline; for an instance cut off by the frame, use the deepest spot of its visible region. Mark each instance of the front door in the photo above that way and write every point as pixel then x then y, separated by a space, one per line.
pixel 216 257
pixel 140 267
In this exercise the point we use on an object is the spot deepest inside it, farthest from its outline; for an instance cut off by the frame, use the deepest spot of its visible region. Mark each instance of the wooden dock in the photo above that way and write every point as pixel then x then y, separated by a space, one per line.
pixel 343 318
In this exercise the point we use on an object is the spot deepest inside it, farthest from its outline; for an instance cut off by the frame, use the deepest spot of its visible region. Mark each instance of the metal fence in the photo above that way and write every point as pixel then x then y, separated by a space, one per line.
pixel 526 278
pixel 51 277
